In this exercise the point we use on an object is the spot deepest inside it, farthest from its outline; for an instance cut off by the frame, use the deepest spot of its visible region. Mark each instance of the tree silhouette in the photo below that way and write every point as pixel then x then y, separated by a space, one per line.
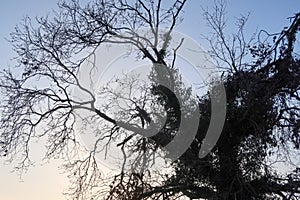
pixel 261 79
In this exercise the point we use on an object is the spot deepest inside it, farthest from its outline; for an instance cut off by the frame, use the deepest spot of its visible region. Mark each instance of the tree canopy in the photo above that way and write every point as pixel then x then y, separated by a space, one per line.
pixel 260 77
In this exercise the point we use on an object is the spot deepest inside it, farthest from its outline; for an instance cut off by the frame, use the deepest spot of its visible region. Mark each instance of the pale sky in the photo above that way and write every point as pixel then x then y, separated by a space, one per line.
pixel 46 182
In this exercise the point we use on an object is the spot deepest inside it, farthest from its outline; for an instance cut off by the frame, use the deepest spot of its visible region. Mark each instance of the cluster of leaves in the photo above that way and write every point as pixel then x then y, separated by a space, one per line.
pixel 262 122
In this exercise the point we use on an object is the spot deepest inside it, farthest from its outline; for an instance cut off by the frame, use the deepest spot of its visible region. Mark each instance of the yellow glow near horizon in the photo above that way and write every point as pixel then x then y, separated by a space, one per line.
pixel 42 182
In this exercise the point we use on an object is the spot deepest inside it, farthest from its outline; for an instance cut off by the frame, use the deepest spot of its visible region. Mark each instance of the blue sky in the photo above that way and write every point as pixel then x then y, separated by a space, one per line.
pixel 46 182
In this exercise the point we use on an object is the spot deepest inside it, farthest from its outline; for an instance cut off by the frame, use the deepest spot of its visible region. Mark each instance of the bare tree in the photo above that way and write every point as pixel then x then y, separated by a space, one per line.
pixel 38 101
pixel 260 124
